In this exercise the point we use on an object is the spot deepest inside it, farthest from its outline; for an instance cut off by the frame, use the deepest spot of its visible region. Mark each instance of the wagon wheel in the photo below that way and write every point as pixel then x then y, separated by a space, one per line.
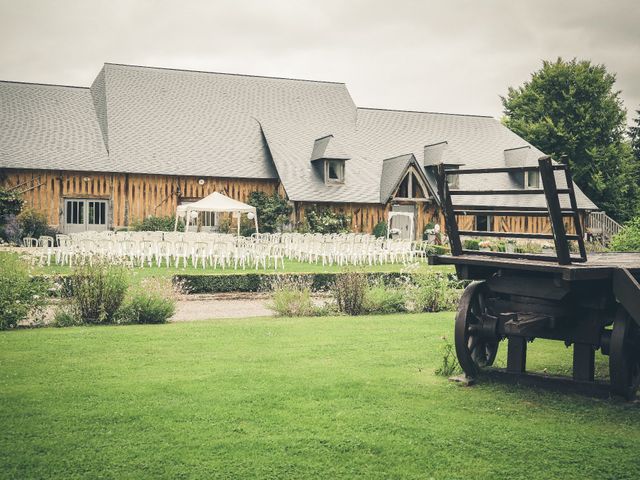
pixel 624 355
pixel 474 347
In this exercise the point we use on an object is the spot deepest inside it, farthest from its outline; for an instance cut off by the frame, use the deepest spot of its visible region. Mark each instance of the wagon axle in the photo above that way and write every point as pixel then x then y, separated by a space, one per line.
pixel 481 327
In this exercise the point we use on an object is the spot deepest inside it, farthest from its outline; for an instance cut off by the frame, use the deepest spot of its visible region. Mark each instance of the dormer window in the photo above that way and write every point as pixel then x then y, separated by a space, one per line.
pixel 328 158
pixel 334 171
pixel 532 179
pixel 453 180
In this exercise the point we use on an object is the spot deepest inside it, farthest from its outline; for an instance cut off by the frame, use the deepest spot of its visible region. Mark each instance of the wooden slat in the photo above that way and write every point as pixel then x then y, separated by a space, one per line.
pixel 533 236
pixel 471 171
pixel 510 191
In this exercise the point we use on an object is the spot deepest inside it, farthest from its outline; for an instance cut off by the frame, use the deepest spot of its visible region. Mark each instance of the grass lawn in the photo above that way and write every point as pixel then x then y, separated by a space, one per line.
pixel 290 398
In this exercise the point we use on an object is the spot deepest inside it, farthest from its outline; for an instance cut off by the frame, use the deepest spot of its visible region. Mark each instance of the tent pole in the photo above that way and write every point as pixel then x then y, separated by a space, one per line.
pixel 238 220
pixel 187 221
pixel 175 227
pixel 255 220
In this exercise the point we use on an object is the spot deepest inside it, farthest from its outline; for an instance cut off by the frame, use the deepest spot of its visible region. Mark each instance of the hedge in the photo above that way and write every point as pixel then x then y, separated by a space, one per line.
pixel 257 282
pixel 58 285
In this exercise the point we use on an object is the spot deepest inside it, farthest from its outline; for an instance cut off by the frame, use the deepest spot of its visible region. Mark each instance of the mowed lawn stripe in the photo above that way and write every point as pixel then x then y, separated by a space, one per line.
pixel 301 398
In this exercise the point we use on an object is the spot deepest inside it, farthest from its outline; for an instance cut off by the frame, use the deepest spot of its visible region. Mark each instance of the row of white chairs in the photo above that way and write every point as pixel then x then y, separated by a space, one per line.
pixel 214 250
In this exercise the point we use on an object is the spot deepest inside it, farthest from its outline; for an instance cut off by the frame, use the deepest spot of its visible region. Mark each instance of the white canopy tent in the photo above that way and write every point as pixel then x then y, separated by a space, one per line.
pixel 217 203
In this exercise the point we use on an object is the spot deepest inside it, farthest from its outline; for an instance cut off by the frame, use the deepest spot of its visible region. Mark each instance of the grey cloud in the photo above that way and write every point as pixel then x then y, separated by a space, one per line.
pixel 455 56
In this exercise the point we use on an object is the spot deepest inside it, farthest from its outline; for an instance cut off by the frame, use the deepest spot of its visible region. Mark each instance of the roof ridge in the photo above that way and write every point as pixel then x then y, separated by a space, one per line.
pixel 399 156
pixel 44 84
pixel 223 73
pixel 430 113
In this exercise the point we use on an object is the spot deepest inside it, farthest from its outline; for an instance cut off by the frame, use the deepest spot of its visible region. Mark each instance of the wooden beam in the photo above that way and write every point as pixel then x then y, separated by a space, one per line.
pixel 470 171
pixel 511 191
pixel 553 204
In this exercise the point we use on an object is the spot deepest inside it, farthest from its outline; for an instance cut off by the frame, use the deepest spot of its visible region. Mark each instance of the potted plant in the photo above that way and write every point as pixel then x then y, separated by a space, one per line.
pixel 485 246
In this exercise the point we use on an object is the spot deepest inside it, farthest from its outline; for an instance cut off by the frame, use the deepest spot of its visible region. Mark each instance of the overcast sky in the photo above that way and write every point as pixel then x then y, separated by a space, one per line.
pixel 448 56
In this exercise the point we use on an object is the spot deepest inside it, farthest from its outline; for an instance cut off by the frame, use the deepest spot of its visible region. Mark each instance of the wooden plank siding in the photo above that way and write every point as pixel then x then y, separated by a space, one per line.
pixel 365 216
pixel 522 224
pixel 132 196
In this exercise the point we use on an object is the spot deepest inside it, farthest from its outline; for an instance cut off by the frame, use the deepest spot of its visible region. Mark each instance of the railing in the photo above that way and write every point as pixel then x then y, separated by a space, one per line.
pixel 554 210
pixel 601 226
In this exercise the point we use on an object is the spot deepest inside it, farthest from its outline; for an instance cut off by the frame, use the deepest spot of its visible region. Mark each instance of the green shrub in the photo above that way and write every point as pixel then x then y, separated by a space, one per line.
pixel 66 316
pixel 348 291
pixel 273 211
pixel 157 224
pixel 471 244
pixel 434 292
pixel 382 299
pixel 380 230
pixel 325 220
pixel 628 240
pixel 34 224
pixel 97 291
pixel 433 249
pixel 528 247
pixel 292 297
pixel 20 297
pixel 10 230
pixel 10 202
pixel 256 282
pixel 152 301
pixel 146 308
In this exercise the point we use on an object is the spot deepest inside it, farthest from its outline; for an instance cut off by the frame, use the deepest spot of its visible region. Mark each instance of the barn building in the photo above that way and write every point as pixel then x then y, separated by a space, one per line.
pixel 142 140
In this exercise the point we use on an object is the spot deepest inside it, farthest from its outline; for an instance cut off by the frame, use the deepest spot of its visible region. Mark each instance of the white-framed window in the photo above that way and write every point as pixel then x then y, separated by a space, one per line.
pixel 81 214
pixel 209 219
pixel 334 171
pixel 532 179
pixel 484 223
pixel 453 180
pixel 74 212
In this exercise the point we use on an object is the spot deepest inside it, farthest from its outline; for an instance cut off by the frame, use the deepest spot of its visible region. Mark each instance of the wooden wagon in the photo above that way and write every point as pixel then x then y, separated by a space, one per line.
pixel 588 303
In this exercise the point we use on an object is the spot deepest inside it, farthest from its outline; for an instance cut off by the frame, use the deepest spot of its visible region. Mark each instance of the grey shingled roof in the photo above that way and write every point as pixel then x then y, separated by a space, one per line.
pixel 392 171
pixel 49 127
pixel 477 140
pixel 176 122
pixel 328 148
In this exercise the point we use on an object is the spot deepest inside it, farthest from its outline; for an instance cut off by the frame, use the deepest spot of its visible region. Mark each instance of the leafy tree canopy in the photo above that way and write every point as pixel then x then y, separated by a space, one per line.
pixel 273 211
pixel 634 134
pixel 628 240
pixel 571 109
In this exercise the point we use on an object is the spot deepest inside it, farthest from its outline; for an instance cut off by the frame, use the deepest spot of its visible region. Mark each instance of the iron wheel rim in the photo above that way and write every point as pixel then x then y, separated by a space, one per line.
pixel 473 351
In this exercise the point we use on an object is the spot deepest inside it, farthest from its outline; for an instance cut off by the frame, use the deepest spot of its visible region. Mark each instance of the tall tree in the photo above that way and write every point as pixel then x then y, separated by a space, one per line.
pixel 634 134
pixel 570 108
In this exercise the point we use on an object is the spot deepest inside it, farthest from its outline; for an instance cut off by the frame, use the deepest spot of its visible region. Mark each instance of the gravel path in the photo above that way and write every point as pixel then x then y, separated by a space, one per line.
pixel 205 307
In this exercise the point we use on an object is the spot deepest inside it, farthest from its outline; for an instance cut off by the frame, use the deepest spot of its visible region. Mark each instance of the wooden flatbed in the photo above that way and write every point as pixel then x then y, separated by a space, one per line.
pixel 588 302
pixel 598 265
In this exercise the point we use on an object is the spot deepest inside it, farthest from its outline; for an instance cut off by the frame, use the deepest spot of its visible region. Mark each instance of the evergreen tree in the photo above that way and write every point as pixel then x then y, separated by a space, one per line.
pixel 570 108
pixel 634 134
